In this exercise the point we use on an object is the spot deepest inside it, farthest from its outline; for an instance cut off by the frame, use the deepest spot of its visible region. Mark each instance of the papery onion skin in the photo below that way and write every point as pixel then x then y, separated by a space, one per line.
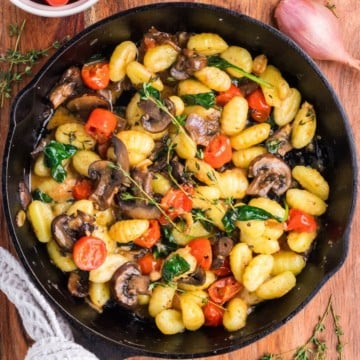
pixel 315 29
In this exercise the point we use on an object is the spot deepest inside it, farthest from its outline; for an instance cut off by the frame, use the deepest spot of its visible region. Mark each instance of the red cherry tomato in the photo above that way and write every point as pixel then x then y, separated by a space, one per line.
pixel 89 253
pixel 213 314
pixel 202 252
pixel 223 270
pixel 96 75
pixel 101 124
pixel 259 109
pixel 224 97
pixel 300 221
pixel 176 202
pixel 56 2
pixel 218 152
pixel 149 264
pixel 82 189
pixel 151 236
pixel 224 289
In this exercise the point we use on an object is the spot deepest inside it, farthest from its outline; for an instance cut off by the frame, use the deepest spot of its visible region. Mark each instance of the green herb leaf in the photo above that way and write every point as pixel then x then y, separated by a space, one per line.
pixel 244 213
pixel 55 152
pixel 206 100
pixel 39 195
pixel 223 64
pixel 174 266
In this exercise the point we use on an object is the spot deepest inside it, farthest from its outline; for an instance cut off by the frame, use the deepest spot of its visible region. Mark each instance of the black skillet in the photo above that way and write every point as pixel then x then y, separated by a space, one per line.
pixel 118 329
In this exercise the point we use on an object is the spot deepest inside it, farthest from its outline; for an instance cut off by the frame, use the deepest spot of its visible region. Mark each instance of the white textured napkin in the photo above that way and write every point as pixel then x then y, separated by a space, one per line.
pixel 52 334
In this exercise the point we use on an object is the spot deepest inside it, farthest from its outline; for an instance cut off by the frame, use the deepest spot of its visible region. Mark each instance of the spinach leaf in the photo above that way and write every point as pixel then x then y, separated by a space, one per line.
pixel 174 266
pixel 39 195
pixel 55 152
pixel 243 213
pixel 206 100
pixel 223 64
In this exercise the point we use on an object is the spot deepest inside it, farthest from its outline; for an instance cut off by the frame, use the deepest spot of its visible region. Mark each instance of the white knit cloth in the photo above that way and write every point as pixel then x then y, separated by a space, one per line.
pixel 52 335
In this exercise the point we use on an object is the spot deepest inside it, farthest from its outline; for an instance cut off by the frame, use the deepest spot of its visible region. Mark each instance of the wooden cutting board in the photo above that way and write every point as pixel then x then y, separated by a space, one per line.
pixel 343 286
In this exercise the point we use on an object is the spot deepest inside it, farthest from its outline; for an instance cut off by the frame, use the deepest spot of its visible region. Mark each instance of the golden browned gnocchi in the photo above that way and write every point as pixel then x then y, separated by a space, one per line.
pixel 184 195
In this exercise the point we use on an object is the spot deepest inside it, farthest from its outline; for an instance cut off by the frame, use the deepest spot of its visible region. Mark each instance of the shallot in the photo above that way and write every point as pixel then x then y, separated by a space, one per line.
pixel 315 28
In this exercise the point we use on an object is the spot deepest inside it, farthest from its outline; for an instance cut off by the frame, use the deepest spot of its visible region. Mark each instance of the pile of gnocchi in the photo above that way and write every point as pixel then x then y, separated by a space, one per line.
pixel 173 181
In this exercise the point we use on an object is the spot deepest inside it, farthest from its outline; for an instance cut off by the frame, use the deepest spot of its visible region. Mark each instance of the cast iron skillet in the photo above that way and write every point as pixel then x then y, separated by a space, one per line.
pixel 132 336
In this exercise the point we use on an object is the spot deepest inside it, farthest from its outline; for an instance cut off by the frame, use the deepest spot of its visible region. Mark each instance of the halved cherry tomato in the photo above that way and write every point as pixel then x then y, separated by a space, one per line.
pixel 224 97
pixel 82 189
pixel 151 236
pixel 224 269
pixel 96 75
pixel 101 124
pixel 176 202
pixel 89 253
pixel 224 289
pixel 218 152
pixel 259 109
pixel 300 221
pixel 148 264
pixel 56 2
pixel 213 314
pixel 149 42
pixel 202 252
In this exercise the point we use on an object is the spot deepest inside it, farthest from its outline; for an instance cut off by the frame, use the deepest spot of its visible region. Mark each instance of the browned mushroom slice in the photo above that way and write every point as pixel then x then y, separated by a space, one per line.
pixel 187 64
pixel 77 285
pixel 221 250
pixel 136 210
pixel 127 282
pixel 155 120
pixel 201 130
pixel 24 195
pixel 270 173
pixel 198 277
pixel 67 86
pixel 279 142
pixel 85 103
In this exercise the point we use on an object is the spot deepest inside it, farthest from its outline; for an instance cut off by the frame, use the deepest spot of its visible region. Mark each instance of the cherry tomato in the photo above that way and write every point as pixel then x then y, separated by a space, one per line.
pixel 300 221
pixel 259 109
pixel 82 189
pixel 149 264
pixel 56 2
pixel 101 124
pixel 224 289
pixel 224 97
pixel 201 250
pixel 176 202
pixel 224 269
pixel 96 75
pixel 218 152
pixel 151 236
pixel 89 253
pixel 213 314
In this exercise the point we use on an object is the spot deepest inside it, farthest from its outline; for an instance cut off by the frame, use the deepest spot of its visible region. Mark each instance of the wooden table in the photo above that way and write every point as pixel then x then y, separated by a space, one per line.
pixel 343 286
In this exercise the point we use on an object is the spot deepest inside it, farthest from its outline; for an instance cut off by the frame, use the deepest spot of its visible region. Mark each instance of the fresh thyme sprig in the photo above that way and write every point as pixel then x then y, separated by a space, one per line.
pixel 315 347
pixel 15 64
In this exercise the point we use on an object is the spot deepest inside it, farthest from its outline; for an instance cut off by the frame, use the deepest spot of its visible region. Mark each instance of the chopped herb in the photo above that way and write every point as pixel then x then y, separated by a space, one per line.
pixel 206 100
pixel 223 64
pixel 55 152
pixel 174 266
pixel 39 195
pixel 273 146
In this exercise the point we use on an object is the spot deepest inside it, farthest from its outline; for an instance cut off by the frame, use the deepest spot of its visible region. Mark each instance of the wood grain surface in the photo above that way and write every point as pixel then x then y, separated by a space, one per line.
pixel 343 286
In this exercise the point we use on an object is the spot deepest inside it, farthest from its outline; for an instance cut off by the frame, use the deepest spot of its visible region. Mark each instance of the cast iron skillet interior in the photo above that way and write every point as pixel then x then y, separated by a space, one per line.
pixel 132 336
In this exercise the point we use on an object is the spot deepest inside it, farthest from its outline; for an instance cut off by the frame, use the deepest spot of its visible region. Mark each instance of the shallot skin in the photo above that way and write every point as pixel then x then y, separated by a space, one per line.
pixel 315 29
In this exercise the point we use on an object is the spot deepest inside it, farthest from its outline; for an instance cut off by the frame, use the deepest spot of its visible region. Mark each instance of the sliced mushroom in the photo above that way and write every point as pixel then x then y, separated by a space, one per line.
pixel 187 64
pixel 221 250
pixel 136 210
pixel 85 103
pixel 66 229
pixel 201 130
pixel 270 173
pixel 67 86
pixel 24 195
pixel 127 283
pixel 78 285
pixel 198 277
pixel 279 142
pixel 155 120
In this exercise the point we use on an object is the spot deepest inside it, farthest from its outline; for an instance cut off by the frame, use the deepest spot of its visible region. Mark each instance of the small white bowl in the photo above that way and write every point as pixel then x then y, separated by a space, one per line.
pixel 54 11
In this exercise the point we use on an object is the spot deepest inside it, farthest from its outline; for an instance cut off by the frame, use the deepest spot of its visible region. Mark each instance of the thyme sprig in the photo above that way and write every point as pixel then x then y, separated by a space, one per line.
pixel 15 64
pixel 315 347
